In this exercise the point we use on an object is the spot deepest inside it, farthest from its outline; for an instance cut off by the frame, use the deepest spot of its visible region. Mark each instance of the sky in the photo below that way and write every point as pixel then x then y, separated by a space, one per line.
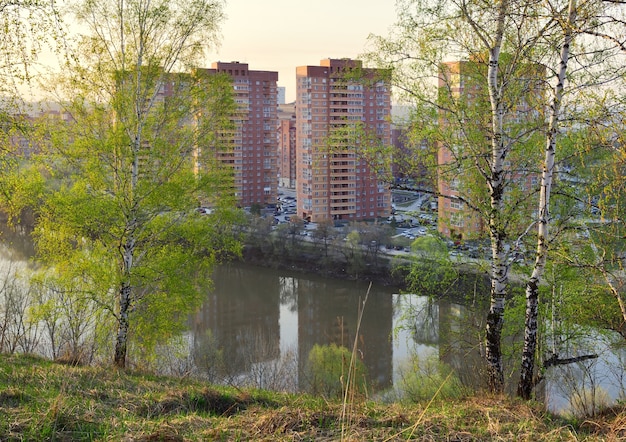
pixel 279 35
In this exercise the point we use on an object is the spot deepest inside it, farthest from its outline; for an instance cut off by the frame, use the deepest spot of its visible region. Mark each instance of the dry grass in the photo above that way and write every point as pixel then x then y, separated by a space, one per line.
pixel 40 400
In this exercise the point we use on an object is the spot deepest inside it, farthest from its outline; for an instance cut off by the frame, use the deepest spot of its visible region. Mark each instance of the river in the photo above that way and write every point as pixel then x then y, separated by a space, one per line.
pixel 263 319
pixel 266 321
pixel 258 325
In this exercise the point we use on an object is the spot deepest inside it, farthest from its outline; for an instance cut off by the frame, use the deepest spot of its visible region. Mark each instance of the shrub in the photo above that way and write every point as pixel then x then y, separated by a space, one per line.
pixel 328 369
pixel 423 379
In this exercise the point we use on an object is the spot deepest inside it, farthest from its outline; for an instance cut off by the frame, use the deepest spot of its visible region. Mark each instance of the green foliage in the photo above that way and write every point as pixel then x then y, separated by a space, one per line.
pixel 328 368
pixel 427 379
pixel 21 189
pixel 140 154
pixel 575 301
pixel 431 272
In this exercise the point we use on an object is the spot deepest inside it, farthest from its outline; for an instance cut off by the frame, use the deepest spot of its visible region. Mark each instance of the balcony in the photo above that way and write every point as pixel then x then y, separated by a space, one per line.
pixel 342 210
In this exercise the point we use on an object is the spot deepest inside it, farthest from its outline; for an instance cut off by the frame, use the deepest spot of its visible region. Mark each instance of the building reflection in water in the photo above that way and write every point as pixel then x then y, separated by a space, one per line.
pixel 328 314
pixel 258 317
pixel 242 317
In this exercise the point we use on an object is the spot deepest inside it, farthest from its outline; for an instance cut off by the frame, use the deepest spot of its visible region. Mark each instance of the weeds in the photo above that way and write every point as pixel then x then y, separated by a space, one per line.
pixel 40 400
pixel 351 389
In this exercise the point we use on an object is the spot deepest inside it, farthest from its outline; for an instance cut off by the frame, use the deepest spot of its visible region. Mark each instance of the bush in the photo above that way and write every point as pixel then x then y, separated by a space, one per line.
pixel 328 369
pixel 421 380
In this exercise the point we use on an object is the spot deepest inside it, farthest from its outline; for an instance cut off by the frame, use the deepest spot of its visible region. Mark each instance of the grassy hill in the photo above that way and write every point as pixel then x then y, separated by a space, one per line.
pixel 43 400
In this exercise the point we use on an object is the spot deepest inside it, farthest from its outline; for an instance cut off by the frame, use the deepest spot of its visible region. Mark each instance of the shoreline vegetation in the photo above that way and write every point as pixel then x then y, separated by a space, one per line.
pixel 44 400
pixel 381 274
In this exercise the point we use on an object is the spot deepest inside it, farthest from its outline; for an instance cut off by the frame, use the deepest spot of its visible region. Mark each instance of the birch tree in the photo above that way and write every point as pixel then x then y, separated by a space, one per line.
pixel 599 29
pixel 488 111
pixel 136 159
pixel 474 116
pixel 532 286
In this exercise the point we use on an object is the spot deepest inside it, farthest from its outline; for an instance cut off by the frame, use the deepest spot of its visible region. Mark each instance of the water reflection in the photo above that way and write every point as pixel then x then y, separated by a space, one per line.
pixel 585 388
pixel 258 316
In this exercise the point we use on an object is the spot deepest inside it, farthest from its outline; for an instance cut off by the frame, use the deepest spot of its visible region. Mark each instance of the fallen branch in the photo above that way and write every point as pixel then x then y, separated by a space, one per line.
pixel 554 360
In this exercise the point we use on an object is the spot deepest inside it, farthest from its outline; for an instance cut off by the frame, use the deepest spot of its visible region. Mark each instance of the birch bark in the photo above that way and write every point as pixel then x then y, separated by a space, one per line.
pixel 526 383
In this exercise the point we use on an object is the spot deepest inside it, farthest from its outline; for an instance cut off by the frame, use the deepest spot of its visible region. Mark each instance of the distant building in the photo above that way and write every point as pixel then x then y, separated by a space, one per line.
pixel 281 95
pixel 254 157
pixel 333 180
pixel 410 169
pixel 287 145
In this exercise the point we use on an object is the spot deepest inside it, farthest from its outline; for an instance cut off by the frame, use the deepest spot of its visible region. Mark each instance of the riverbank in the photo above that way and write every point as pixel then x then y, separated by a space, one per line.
pixel 386 270
pixel 304 261
pixel 42 400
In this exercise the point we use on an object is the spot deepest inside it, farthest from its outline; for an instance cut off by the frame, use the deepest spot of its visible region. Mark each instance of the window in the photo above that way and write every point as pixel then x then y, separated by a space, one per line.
pixel 456 220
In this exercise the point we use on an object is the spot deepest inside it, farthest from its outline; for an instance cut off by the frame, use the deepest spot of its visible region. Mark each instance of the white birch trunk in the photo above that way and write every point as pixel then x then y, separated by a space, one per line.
pixel 526 383
pixel 499 268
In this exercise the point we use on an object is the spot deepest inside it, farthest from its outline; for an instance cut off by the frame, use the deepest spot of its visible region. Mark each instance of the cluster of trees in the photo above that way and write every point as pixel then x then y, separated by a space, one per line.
pixel 540 93
pixel 353 247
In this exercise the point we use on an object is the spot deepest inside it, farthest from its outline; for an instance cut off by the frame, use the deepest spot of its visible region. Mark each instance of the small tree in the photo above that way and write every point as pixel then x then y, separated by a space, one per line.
pixel 17 332
pixel 428 379
pixel 373 237
pixel 353 253
pixel 431 273
pixel 324 234
pixel 294 227
pixel 259 232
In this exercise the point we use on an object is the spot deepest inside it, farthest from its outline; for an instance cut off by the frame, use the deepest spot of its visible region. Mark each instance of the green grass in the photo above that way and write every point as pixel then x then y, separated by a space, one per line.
pixel 42 400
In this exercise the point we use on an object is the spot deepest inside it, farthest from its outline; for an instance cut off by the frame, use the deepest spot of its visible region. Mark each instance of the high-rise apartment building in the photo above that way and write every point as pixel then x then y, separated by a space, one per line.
pixel 334 181
pixel 287 145
pixel 465 83
pixel 282 91
pixel 255 146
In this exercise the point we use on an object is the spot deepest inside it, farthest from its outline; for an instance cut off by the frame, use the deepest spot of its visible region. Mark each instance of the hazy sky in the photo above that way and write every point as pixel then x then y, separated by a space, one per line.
pixel 279 35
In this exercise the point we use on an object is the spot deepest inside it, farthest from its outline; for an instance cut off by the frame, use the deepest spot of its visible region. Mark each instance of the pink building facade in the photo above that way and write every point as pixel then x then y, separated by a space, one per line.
pixel 334 180
pixel 287 145
pixel 254 157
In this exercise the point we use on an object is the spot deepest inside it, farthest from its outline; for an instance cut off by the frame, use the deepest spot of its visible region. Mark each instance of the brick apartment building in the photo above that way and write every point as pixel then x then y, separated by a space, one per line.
pixel 254 156
pixel 466 83
pixel 334 181
pixel 287 145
